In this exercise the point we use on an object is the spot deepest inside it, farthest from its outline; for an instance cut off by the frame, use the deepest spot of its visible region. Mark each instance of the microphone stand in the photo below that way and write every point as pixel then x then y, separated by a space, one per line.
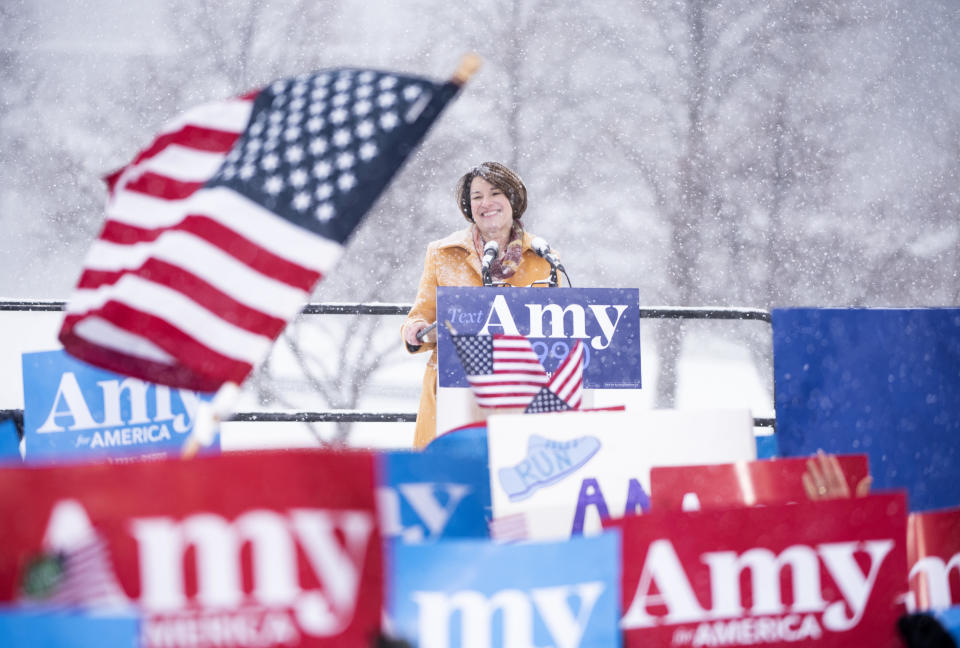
pixel 487 281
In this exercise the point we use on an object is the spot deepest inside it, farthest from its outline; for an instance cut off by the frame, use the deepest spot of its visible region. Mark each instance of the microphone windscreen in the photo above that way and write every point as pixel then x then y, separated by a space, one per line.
pixel 492 247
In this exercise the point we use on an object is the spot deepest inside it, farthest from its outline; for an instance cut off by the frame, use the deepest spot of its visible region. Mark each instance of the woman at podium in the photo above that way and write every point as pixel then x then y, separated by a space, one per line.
pixel 494 249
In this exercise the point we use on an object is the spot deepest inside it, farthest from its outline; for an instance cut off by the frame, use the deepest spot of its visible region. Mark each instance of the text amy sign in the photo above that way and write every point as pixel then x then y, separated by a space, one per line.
pixel 811 574
pixel 242 550
pixel 472 593
pixel 606 320
pixel 75 411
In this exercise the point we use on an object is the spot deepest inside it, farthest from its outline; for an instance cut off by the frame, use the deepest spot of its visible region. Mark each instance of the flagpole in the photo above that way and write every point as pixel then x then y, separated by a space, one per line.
pixel 468 66
pixel 208 418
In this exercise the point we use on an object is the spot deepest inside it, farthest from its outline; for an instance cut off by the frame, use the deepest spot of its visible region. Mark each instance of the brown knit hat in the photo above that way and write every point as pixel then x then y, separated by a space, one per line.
pixel 500 177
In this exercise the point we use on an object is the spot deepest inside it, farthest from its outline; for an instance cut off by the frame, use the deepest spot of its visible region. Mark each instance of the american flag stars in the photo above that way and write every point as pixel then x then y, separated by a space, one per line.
pixel 309 145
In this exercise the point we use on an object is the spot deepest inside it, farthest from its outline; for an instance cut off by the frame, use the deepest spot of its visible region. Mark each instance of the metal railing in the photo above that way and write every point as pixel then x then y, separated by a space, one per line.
pixel 358 416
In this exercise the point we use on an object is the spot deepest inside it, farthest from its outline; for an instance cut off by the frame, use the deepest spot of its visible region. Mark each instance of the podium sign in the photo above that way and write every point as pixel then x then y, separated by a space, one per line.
pixel 606 319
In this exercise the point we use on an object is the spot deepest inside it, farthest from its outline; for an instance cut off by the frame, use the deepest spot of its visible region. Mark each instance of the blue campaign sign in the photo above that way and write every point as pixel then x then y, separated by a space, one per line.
pixel 479 593
pixel 9 441
pixel 37 628
pixel 607 320
pixel 881 381
pixel 427 496
pixel 75 411
pixel 470 439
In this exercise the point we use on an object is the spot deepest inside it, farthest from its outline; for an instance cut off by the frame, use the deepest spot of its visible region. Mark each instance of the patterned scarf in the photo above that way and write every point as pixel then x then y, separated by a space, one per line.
pixel 507 264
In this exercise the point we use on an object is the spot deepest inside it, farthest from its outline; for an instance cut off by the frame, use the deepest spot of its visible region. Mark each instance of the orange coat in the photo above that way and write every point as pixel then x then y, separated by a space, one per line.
pixel 453 261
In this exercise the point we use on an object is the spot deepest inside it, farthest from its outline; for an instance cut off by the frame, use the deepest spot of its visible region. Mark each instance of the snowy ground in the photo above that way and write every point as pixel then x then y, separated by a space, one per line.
pixel 715 371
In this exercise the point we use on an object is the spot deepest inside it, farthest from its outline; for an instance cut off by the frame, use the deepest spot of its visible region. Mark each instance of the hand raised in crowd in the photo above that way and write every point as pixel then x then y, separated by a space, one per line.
pixel 824 479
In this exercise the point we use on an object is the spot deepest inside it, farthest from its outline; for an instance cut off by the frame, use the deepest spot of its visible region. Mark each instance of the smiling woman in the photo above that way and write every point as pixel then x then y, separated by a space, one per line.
pixel 492 198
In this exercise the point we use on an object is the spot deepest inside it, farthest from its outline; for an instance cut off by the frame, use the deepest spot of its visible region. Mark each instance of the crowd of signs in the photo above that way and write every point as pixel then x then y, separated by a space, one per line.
pixel 608 528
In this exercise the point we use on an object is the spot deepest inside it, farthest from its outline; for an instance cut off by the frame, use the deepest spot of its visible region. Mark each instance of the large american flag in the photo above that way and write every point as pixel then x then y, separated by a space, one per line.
pixel 564 391
pixel 217 232
pixel 503 370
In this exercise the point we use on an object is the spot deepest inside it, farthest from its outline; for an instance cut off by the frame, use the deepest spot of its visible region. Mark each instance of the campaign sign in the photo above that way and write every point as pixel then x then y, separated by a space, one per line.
pixel 423 497
pixel 808 574
pixel 242 550
pixel 33 628
pixel 933 558
pixel 744 483
pixel 881 381
pixel 566 472
pixel 9 440
pixel 73 411
pixel 469 439
pixel 478 593
pixel 607 320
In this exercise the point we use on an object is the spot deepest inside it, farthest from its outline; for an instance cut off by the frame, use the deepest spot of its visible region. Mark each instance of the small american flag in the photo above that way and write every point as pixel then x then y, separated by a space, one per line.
pixel 565 389
pixel 217 232
pixel 503 370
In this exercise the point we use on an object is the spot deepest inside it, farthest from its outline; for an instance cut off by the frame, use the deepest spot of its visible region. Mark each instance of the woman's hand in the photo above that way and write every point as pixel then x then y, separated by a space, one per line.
pixel 410 335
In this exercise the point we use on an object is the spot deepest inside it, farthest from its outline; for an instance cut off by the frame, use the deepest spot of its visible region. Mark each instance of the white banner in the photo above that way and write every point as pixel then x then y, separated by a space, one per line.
pixel 560 474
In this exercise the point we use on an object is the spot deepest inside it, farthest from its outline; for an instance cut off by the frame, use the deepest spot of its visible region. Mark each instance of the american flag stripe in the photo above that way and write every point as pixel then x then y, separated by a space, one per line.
pixel 233 211
pixel 96 328
pixel 259 259
pixel 567 381
pixel 201 356
pixel 227 274
pixel 183 163
pixel 156 300
pixel 158 186
pixel 230 309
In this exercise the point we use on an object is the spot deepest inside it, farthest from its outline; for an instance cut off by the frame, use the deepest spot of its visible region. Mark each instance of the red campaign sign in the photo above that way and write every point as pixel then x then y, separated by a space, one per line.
pixel 745 483
pixel 933 557
pixel 237 550
pixel 812 574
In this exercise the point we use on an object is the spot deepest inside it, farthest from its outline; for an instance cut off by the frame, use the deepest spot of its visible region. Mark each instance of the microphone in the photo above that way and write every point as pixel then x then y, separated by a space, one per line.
pixel 490 252
pixel 542 248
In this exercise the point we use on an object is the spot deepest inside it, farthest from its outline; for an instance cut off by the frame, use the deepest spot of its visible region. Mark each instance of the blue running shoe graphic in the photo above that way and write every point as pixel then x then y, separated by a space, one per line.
pixel 547 462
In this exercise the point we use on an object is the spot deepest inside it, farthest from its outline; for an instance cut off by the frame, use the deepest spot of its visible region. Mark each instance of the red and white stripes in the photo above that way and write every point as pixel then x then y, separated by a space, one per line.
pixel 517 374
pixel 190 285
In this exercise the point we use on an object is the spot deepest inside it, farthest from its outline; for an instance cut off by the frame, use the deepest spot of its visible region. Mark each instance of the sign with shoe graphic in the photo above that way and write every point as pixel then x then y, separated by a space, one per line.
pixel 566 472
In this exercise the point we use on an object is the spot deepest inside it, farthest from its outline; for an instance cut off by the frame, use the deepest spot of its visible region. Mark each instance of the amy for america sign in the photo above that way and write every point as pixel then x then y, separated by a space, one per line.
pixel 241 550
pixel 812 574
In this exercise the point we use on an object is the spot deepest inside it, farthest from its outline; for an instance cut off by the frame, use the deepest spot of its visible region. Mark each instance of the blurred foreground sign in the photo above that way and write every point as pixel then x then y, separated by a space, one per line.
pixel 240 550
pixel 472 593
pixel 811 574
pixel 744 483
pixel 425 496
pixel 881 381
pixel 933 556
pixel 73 411
pixel 566 472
